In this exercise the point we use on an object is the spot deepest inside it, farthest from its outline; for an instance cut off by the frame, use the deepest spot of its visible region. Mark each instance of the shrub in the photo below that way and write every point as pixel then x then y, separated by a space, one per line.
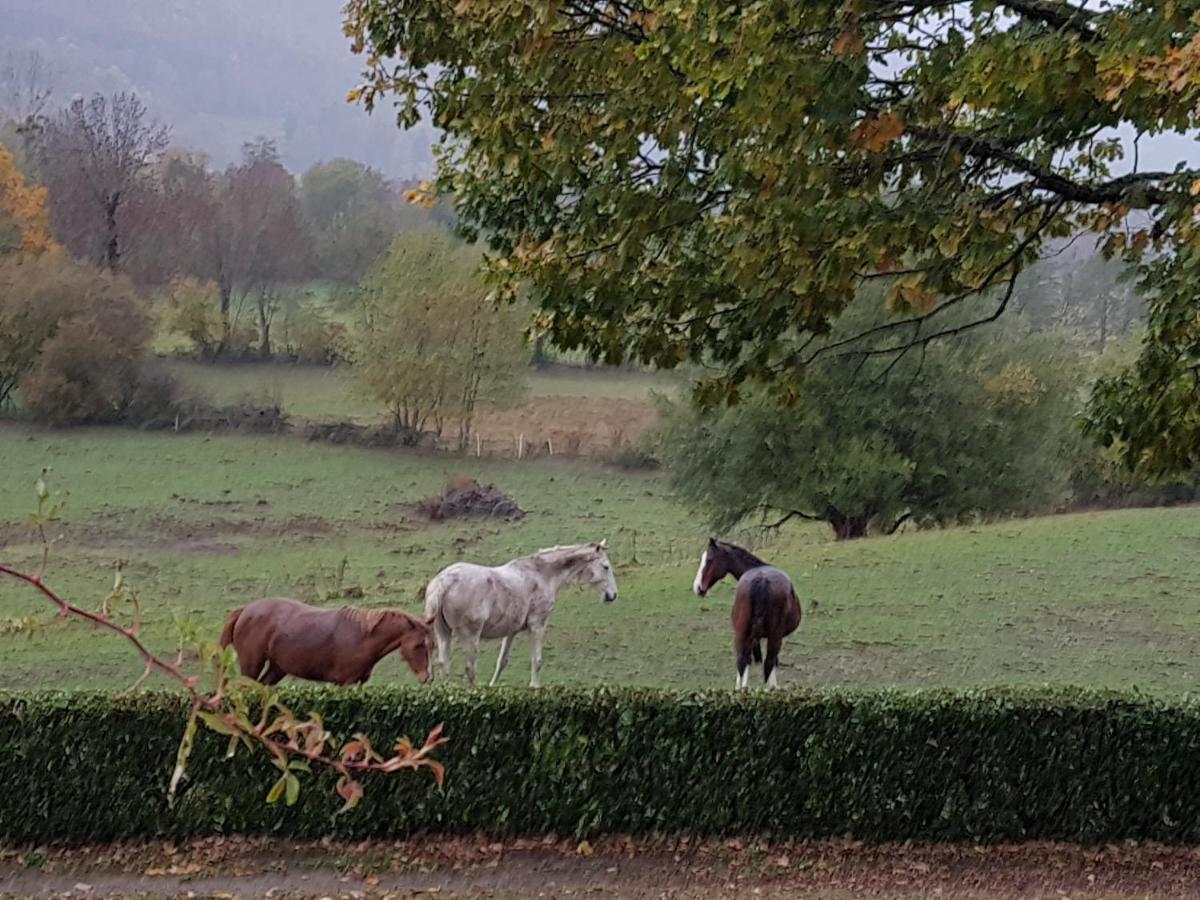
pixel 926 765
pixel 73 338
pixel 192 311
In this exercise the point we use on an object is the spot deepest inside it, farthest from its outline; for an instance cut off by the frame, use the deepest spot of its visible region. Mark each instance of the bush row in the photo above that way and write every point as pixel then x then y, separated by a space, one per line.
pixel 877 766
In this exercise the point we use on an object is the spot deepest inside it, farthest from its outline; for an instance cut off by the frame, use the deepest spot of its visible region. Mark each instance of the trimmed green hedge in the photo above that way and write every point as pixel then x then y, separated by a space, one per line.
pixel 879 766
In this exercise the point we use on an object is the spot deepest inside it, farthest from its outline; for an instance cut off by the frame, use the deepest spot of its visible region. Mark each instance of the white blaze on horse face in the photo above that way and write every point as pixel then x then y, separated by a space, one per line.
pixel 697 586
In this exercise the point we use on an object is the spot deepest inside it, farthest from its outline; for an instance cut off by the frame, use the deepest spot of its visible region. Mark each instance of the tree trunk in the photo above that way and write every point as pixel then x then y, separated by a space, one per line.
pixel 847 528
pixel 112 250
pixel 264 329
pixel 1104 302
pixel 226 326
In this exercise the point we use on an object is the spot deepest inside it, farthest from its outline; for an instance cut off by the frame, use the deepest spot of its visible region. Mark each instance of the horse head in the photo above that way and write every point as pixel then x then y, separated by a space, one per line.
pixel 597 571
pixel 416 646
pixel 714 565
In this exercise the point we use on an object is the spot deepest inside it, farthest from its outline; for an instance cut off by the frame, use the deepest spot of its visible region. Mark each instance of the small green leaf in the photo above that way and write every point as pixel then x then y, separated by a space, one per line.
pixel 277 789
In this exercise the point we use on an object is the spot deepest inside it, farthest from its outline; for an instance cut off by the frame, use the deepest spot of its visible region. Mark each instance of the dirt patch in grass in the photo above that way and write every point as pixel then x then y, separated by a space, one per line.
pixel 613 867
pixel 157 532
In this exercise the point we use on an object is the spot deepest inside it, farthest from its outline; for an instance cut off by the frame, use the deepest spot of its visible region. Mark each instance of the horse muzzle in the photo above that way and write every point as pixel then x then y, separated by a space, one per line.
pixel 609 598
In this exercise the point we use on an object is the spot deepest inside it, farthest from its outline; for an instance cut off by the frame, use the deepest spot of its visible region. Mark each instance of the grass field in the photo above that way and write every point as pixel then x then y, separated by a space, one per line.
pixel 316 392
pixel 207 523
pixel 569 411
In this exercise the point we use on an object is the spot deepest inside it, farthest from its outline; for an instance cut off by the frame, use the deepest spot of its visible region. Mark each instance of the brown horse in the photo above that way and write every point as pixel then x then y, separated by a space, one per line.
pixel 765 606
pixel 277 637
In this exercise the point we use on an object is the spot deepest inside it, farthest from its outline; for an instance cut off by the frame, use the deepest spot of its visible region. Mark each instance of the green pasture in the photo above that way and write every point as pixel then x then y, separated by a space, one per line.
pixel 207 523
pixel 323 392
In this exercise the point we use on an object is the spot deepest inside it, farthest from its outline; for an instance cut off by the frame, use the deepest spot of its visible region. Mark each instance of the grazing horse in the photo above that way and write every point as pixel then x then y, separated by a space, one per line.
pixel 471 602
pixel 764 607
pixel 277 637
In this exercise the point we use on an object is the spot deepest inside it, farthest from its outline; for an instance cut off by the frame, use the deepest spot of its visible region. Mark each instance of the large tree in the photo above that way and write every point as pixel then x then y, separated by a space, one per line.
pixel 353 212
pixel 698 180
pixel 980 428
pixel 431 344
pixel 95 157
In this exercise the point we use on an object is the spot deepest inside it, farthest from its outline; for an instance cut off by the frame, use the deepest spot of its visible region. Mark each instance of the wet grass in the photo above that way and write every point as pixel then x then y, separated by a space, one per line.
pixel 207 523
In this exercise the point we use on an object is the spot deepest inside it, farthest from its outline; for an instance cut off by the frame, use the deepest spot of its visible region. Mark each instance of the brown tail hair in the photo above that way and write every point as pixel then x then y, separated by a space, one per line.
pixel 230 623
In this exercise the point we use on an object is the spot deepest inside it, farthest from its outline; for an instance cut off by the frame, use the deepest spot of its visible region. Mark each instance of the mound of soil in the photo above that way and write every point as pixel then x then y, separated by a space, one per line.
pixel 467 498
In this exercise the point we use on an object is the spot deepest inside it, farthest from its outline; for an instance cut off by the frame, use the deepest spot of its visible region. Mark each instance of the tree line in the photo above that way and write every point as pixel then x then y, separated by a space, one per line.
pixel 102 219
pixel 122 198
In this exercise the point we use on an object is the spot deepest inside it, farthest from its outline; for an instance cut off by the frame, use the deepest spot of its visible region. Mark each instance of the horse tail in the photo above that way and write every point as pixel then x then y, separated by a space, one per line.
pixel 432 593
pixel 230 623
pixel 760 598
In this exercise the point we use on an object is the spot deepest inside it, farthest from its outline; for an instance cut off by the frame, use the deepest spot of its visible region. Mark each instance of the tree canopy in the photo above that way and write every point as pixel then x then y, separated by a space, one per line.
pixel 24 218
pixel 430 344
pixel 977 428
pixel 692 180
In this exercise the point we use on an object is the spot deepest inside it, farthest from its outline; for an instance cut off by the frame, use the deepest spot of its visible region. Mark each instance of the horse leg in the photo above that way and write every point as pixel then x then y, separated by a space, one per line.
pixel 273 675
pixel 771 666
pixel 743 648
pixel 502 659
pixel 471 653
pixel 442 636
pixel 756 650
pixel 535 660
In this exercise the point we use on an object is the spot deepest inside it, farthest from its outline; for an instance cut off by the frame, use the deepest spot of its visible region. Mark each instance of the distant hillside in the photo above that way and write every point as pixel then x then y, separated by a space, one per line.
pixel 221 72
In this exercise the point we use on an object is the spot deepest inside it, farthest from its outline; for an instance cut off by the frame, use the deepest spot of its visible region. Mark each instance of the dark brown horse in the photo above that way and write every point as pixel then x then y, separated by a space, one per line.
pixel 277 637
pixel 765 606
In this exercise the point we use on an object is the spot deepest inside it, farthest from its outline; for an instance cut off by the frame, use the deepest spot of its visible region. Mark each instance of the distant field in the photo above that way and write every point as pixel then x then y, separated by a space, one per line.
pixel 207 523
pixel 322 392
pixel 569 410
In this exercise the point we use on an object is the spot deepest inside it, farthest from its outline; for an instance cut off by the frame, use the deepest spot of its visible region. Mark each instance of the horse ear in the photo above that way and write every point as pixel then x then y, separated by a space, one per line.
pixel 602 545
pixel 712 542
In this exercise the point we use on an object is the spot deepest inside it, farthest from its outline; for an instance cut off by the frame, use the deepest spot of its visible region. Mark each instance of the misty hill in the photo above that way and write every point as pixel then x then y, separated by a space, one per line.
pixel 221 72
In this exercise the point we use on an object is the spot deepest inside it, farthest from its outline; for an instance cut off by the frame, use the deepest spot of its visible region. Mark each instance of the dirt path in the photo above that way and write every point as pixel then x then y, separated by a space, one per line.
pixel 614 868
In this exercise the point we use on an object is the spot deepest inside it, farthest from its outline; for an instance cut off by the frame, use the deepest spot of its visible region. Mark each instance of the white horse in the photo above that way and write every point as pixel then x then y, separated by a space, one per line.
pixel 470 602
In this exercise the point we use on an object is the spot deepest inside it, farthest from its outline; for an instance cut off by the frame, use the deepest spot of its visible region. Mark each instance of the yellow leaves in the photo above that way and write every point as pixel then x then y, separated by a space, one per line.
pixel 910 293
pixel 948 240
pixel 648 21
pixel 848 44
pixel 23 211
pixel 355 95
pixel 1195 188
pixel 1176 71
pixel 1015 384
pixel 422 195
pixel 876 133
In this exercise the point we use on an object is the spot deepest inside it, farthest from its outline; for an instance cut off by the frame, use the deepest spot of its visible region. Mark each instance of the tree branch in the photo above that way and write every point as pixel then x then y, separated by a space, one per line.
pixel 1115 190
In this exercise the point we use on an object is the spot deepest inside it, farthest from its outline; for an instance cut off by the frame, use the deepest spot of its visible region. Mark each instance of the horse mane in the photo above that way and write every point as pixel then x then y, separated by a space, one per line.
pixel 742 555
pixel 370 619
pixel 568 556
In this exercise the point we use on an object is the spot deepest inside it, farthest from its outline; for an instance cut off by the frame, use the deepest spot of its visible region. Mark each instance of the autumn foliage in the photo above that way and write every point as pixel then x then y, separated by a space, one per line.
pixel 24 217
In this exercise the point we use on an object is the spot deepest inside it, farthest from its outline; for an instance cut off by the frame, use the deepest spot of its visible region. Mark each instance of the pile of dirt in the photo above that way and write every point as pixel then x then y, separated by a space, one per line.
pixel 467 498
